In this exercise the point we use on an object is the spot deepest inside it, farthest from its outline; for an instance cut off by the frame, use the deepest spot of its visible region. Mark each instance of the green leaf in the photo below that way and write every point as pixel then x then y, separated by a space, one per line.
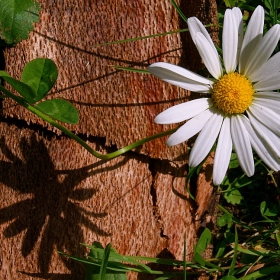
pixel 233 196
pixel 229 236
pixel 220 248
pixel 262 272
pixel 225 219
pixel 60 110
pixel 268 209
pixel 277 234
pixel 23 89
pixel 233 161
pixel 203 241
pixel 105 259
pixel 17 18
pixel 233 261
pixel 199 259
pixel 92 272
pixel 40 74
pixel 228 277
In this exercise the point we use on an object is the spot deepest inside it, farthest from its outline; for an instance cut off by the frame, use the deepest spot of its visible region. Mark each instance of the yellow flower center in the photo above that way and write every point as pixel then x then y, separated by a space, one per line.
pixel 233 93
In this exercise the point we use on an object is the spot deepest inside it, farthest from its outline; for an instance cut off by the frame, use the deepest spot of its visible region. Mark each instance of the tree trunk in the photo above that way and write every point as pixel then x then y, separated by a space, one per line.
pixel 56 195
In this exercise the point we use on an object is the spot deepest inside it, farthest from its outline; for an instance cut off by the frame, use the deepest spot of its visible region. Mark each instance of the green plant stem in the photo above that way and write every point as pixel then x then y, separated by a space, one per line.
pixel 128 40
pixel 112 155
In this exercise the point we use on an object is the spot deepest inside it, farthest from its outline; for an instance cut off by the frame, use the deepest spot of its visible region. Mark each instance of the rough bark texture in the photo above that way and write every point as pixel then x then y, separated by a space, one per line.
pixel 55 195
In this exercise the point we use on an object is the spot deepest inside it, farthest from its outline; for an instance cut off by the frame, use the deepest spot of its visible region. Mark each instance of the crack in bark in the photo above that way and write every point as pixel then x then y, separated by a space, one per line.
pixel 156 214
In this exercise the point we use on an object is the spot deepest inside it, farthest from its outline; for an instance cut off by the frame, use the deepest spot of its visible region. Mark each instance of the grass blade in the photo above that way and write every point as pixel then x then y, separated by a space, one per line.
pixel 104 262
pixel 174 4
pixel 232 265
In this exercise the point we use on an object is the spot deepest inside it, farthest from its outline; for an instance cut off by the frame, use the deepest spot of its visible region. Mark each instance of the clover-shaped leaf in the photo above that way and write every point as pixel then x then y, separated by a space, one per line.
pixel 37 79
pixel 25 90
pixel 17 18
pixel 59 109
pixel 233 196
pixel 40 74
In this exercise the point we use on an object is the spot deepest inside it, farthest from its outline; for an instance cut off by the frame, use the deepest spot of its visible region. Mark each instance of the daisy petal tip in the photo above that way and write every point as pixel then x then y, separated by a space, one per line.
pixel 156 65
pixel 170 142
pixel 159 119
pixel 217 181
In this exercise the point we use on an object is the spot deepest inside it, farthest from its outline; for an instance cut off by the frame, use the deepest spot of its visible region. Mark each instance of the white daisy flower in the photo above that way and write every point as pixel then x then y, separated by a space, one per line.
pixel 240 109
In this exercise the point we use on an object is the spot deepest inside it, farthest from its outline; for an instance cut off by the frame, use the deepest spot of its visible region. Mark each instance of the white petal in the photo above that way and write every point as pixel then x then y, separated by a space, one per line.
pixel 222 154
pixel 263 51
pixel 268 95
pixel 209 56
pixel 189 129
pixel 270 83
pixel 273 105
pixel 180 76
pixel 271 67
pixel 252 37
pixel 273 137
pixel 205 139
pixel 266 116
pixel 262 148
pixel 196 26
pixel 265 135
pixel 184 111
pixel 230 41
pixel 239 23
pixel 241 143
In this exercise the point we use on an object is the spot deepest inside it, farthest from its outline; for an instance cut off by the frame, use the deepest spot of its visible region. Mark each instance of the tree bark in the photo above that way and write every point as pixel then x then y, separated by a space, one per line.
pixel 56 195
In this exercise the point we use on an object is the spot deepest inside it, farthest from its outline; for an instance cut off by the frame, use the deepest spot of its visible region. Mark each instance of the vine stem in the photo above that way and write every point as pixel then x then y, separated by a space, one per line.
pixel 112 155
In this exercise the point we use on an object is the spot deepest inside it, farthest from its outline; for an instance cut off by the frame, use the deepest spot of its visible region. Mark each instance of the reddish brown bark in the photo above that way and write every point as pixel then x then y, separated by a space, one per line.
pixel 54 193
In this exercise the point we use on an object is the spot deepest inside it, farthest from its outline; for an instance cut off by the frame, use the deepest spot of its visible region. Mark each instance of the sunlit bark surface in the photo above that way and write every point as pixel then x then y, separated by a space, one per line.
pixel 54 194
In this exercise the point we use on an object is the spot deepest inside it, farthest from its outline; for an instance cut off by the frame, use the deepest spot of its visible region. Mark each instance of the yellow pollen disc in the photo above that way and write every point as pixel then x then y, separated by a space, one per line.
pixel 233 93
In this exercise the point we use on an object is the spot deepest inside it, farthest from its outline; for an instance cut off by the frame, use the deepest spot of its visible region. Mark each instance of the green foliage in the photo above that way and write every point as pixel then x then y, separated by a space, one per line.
pixel 59 109
pixel 202 244
pixel 229 277
pixel 233 3
pixel 40 74
pixel 233 195
pixel 203 241
pixel 37 79
pixel 99 273
pixel 23 89
pixel 17 18
pixel 269 209
pixel 224 220
pixel 108 263
pixel 233 161
pixel 131 69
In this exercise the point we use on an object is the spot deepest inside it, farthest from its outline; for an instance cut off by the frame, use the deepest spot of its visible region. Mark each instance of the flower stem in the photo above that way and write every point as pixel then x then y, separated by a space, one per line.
pixel 46 118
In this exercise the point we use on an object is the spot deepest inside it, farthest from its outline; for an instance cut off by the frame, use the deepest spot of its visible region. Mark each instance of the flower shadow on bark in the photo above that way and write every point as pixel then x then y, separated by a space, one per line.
pixel 53 212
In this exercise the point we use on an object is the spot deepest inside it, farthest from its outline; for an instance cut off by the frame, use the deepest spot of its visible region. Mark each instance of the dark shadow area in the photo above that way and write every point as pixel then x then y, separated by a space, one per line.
pixel 190 58
pixel 191 62
pixel 164 254
pixel 52 276
pixel 53 212
pixel 2 67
